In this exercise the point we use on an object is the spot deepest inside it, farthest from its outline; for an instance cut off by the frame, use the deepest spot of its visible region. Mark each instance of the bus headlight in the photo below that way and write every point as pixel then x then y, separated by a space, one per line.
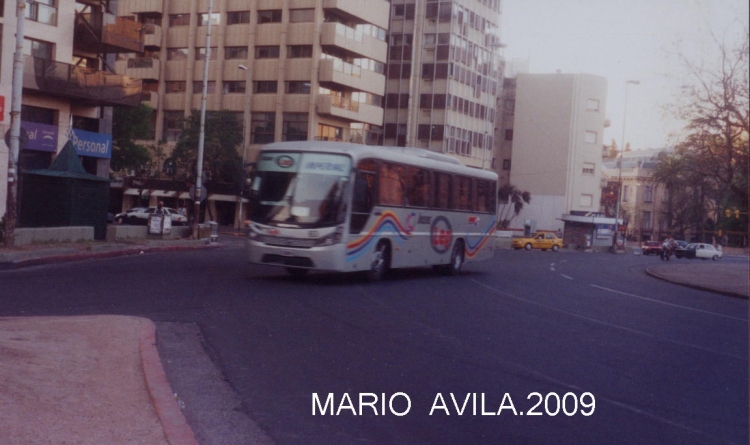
pixel 333 238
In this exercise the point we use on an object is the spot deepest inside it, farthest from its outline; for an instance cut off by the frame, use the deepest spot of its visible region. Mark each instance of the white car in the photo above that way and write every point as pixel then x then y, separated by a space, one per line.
pixel 140 216
pixel 703 251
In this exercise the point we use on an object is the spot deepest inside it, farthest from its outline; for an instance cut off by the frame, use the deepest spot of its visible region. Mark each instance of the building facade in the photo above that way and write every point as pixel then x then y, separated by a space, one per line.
pixel 290 69
pixel 558 125
pixel 67 90
pixel 443 77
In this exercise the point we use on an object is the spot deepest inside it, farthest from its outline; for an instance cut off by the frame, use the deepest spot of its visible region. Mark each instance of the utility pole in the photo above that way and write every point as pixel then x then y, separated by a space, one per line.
pixel 202 135
pixel 15 128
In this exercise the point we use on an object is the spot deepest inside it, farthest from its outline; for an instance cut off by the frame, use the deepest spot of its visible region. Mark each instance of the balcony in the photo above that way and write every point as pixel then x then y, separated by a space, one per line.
pixel 362 11
pixel 88 86
pixel 134 7
pixel 341 36
pixel 140 67
pixel 349 110
pixel 105 34
pixel 151 36
pixel 343 73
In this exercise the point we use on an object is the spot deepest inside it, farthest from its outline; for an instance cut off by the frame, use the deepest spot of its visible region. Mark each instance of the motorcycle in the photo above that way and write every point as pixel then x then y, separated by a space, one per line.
pixel 667 252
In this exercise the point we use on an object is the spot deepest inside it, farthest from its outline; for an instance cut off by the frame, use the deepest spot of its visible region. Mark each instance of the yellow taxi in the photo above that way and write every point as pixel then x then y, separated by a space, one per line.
pixel 540 240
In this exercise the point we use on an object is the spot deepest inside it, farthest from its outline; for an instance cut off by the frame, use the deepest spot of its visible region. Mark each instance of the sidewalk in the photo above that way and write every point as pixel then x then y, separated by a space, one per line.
pixel 721 277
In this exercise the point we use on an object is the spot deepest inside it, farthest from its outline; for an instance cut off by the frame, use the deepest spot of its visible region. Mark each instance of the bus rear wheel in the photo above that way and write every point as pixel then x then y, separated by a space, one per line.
pixel 457 260
pixel 381 258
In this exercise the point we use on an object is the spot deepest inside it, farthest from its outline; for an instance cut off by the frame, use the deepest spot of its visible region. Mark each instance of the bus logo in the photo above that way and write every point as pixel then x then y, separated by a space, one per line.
pixel 441 234
pixel 284 161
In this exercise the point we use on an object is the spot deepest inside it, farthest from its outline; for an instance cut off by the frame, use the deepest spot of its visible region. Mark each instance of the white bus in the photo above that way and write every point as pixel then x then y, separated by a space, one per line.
pixel 344 207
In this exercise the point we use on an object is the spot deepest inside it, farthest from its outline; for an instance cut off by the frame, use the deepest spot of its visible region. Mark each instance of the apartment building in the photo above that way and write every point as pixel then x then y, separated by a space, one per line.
pixel 305 69
pixel 558 124
pixel 443 77
pixel 68 90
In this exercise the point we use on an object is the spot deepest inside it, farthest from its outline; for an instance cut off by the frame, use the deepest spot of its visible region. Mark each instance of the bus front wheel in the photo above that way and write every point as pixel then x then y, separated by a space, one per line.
pixel 380 262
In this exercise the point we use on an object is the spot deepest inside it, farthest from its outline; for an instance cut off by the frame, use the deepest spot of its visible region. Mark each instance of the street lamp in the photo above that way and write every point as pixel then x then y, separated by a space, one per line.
pixel 619 163
pixel 245 138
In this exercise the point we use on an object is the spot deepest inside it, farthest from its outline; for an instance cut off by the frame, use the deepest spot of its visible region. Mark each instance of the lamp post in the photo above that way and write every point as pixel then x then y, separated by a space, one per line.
pixel 245 138
pixel 619 165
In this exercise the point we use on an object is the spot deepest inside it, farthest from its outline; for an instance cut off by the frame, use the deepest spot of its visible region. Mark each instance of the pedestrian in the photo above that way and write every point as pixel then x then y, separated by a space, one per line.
pixel 159 208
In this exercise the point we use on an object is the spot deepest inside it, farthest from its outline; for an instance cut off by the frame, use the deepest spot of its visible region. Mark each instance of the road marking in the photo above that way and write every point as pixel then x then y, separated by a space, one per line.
pixel 612 325
pixel 565 276
pixel 670 304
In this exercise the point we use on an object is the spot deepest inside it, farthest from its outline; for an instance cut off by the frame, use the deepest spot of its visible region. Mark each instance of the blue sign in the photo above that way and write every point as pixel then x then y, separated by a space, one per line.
pixel 42 137
pixel 86 143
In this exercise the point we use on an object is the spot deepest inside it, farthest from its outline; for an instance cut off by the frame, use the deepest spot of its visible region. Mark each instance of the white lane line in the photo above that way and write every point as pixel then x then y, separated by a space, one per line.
pixel 565 276
pixel 604 323
pixel 669 304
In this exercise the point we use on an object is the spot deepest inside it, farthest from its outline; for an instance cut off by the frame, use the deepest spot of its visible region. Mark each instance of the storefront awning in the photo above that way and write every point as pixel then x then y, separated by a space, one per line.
pixel 135 192
pixel 164 193
pixel 220 197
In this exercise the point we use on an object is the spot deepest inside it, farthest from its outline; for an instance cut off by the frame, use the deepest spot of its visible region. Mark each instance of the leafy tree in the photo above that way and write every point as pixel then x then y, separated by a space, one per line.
pixel 222 136
pixel 716 105
pixel 129 124
pixel 511 203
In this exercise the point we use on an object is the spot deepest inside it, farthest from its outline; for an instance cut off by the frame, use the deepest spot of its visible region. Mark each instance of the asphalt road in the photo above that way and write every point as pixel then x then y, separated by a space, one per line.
pixel 598 349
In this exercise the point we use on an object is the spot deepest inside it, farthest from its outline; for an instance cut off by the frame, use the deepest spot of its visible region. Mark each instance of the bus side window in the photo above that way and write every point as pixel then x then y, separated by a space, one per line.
pixel 417 187
pixel 441 190
pixel 462 196
pixel 391 184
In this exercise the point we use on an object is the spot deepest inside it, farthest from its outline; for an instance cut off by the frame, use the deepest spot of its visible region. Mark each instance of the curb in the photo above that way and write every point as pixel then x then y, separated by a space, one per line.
pixel 696 286
pixel 176 428
pixel 86 255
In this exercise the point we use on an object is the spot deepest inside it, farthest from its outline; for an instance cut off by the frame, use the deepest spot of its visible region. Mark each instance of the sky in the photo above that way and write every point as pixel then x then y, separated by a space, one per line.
pixel 621 41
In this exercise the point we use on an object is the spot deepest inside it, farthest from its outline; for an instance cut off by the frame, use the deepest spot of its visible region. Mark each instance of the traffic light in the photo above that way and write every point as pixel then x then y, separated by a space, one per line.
pixel 737 213
pixel 728 213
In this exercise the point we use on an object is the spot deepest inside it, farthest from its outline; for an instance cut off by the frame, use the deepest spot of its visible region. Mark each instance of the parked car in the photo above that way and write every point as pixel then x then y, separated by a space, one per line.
pixel 651 248
pixel 139 216
pixel 122 218
pixel 681 250
pixel 703 251
pixel 541 240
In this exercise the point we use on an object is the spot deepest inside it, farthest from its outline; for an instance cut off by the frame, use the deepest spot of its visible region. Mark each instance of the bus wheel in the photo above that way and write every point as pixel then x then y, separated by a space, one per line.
pixel 296 272
pixel 457 260
pixel 380 262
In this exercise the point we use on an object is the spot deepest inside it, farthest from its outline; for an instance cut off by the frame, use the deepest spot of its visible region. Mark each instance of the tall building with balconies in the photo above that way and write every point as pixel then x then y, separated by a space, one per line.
pixel 444 75
pixel 289 69
pixel 68 90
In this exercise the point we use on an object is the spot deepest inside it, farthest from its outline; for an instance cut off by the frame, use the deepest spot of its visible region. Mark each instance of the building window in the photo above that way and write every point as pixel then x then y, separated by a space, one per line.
pixel 329 133
pixel 269 16
pixel 173 124
pixel 646 220
pixel 238 17
pixel 235 52
pixel 590 137
pixel 298 87
pixel 509 134
pixel 178 86
pixel 179 20
pixel 301 15
pixel 263 127
pixel 586 200
pixel 200 53
pixel 625 193
pixel 267 52
pixel 198 87
pixel 648 195
pixel 510 104
pixel 506 164
pixel 295 127
pixel 204 19
pixel 235 86
pixel 592 105
pixel 265 86
pixel 177 54
pixel 299 51
pixel 38 48
pixel 41 11
pixel 589 168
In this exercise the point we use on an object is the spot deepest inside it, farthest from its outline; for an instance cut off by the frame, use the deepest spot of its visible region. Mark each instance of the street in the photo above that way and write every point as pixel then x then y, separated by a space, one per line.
pixel 530 347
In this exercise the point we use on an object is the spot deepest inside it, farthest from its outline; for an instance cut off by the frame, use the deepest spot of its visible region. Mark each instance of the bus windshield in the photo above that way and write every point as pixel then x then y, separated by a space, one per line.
pixel 300 189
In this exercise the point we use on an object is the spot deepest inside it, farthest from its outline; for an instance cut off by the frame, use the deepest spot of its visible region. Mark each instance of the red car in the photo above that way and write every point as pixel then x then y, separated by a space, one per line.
pixel 651 248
